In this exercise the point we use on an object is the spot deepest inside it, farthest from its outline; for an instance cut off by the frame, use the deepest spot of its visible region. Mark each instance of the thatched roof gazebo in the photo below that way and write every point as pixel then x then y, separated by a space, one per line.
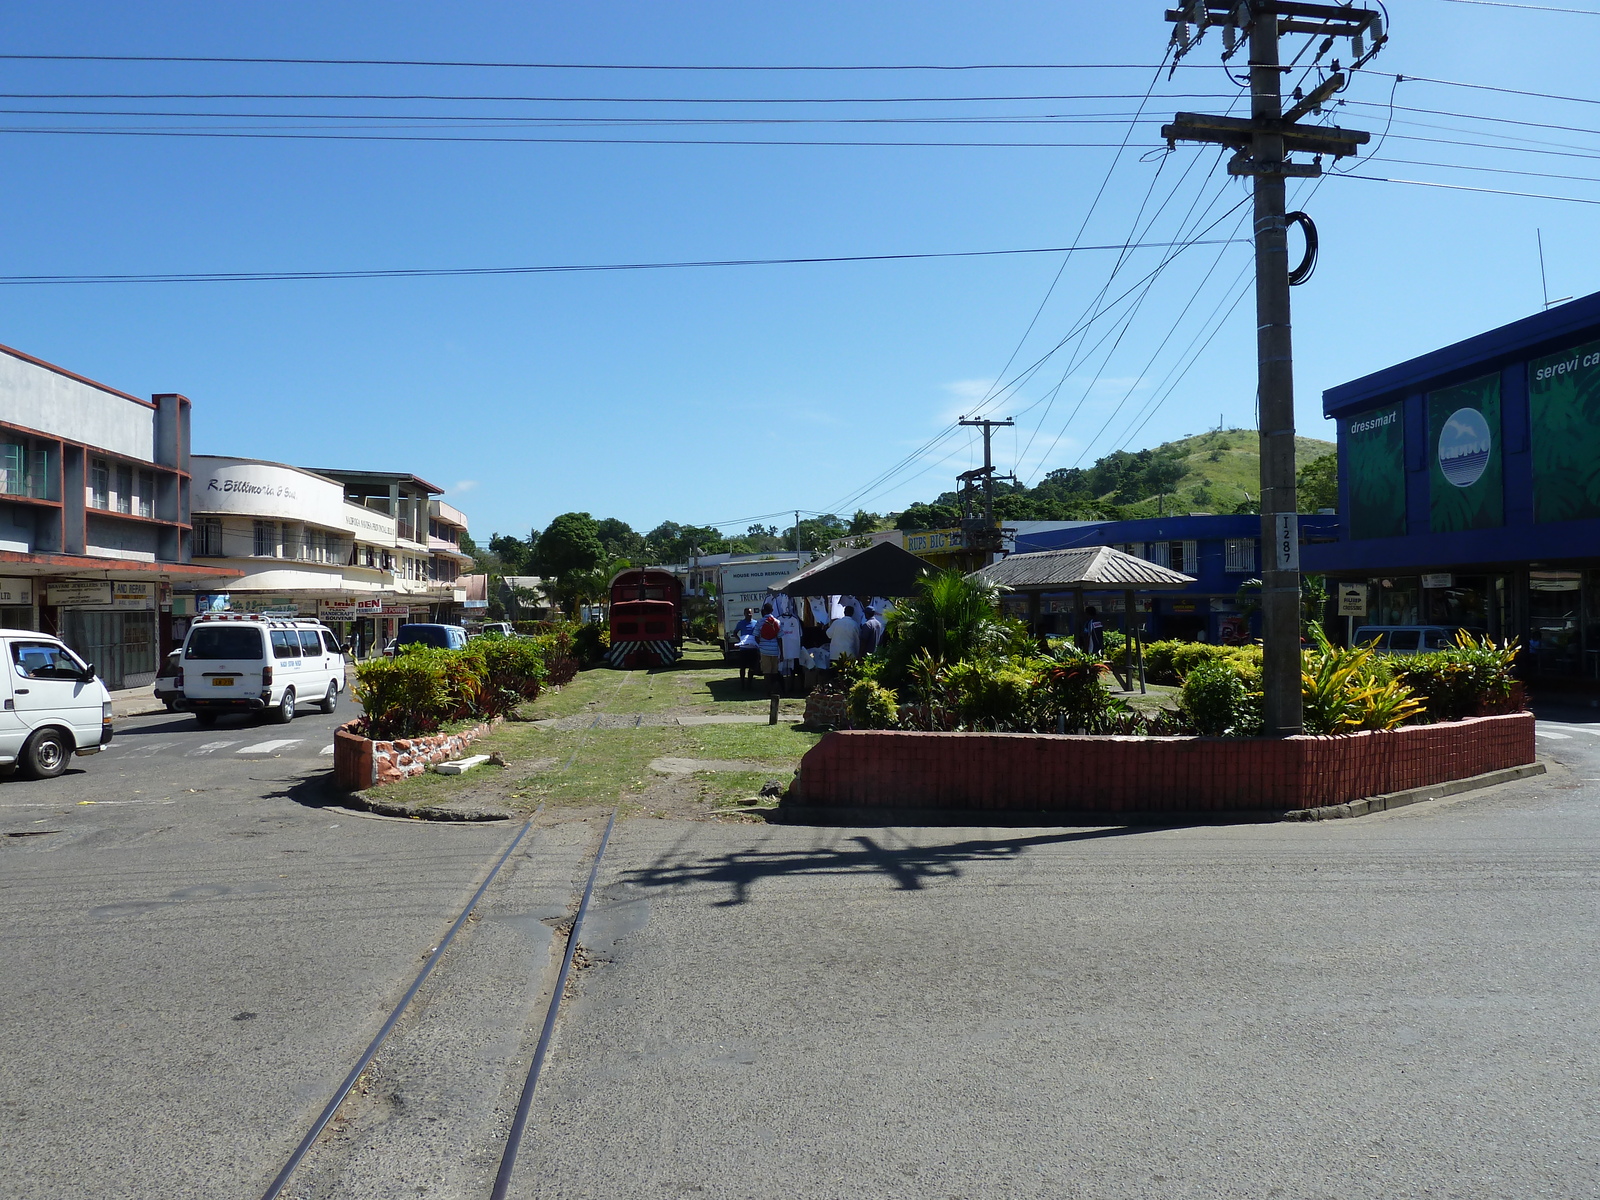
pixel 1085 569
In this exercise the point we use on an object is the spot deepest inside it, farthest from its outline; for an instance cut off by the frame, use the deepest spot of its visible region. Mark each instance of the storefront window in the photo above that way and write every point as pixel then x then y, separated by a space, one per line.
pixel 1464 603
pixel 1555 638
pixel 1395 601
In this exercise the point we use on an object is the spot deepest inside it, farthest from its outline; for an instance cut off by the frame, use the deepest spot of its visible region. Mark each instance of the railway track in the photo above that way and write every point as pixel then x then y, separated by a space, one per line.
pixel 505 1172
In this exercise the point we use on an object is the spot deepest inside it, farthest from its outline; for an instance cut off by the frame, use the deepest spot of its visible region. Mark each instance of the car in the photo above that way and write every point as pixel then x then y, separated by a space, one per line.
pixel 1406 639
pixel 444 637
pixel 166 685
pixel 54 705
pixel 245 662
pixel 498 629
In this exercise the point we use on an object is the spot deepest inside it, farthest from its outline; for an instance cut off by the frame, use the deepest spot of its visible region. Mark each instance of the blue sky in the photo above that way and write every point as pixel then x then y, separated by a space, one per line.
pixel 713 395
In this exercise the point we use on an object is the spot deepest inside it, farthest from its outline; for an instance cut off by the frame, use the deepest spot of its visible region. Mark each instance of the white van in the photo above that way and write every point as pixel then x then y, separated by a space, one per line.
pixel 243 662
pixel 54 707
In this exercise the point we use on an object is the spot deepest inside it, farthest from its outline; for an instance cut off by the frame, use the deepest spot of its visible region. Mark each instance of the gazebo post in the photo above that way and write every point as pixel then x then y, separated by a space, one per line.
pixel 1033 615
pixel 1133 640
pixel 1077 627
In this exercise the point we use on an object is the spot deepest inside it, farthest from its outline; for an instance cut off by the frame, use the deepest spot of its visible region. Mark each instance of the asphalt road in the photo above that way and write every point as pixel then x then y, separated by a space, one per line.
pixel 1401 1005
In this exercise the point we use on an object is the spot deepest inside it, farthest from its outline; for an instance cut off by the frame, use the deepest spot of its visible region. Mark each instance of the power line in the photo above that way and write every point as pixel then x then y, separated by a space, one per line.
pixel 499 98
pixel 1459 187
pixel 1582 12
pixel 568 66
pixel 438 272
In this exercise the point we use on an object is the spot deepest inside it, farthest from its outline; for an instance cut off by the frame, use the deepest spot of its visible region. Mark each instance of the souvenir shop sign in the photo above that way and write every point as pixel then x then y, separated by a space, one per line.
pixel 337 610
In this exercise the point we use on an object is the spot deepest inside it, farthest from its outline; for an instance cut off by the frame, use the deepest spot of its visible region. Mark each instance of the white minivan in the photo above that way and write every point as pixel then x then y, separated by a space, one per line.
pixel 54 706
pixel 243 662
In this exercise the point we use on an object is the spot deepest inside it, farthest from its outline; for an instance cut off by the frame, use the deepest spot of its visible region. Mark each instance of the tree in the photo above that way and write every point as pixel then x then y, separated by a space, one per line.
pixel 570 543
pixel 863 522
pixel 816 532
pixel 1317 484
pixel 515 555
pixel 619 540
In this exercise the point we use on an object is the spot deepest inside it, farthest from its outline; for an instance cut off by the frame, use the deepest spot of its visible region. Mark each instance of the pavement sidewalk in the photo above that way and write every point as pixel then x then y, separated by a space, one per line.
pixel 135 702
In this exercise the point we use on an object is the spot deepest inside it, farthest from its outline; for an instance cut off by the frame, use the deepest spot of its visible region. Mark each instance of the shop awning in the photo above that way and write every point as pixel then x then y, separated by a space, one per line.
pixel 881 570
pixel 1088 568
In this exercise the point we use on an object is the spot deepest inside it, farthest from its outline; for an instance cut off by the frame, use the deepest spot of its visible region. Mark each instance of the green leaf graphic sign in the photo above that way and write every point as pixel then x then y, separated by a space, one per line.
pixel 1464 445
pixel 1374 459
pixel 1564 396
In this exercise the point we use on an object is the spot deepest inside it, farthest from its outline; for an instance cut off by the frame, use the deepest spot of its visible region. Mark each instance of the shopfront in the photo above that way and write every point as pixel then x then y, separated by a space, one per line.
pixel 112 624
pixel 1471 480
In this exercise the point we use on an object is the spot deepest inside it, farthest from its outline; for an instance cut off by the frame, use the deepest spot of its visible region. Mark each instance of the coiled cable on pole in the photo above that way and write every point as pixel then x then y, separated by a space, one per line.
pixel 1308 264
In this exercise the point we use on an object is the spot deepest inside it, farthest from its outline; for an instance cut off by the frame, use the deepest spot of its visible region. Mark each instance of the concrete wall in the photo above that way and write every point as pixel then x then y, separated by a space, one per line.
pixel 105 537
pixel 36 397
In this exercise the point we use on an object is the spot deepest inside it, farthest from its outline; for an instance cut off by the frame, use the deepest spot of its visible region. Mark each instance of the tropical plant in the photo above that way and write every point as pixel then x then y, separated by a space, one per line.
pixel 1072 693
pixel 952 617
pixel 872 706
pixel 993 695
pixel 1343 690
pixel 1217 702
pixel 1455 681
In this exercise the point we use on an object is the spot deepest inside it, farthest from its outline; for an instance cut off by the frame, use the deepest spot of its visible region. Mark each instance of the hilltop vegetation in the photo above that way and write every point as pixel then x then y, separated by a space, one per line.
pixel 1215 472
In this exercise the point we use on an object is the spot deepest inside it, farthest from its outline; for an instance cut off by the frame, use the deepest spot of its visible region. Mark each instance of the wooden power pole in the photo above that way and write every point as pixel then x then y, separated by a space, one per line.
pixel 1262 145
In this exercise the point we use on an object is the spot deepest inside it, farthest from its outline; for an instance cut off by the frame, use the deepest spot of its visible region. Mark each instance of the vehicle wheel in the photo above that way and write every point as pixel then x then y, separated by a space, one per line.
pixel 284 713
pixel 205 719
pixel 46 754
pixel 331 700
pixel 172 705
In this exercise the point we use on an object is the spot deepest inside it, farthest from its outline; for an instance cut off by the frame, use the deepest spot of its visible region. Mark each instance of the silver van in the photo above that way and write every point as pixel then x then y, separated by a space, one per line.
pixel 1405 639
pixel 53 705
pixel 243 662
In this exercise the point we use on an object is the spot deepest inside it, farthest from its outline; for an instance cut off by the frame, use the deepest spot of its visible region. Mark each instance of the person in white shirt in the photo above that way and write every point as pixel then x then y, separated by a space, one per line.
pixel 844 635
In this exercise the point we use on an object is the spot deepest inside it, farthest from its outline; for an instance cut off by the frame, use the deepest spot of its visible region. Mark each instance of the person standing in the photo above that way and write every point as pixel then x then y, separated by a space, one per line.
pixel 769 645
pixel 1094 631
pixel 744 647
pixel 844 636
pixel 871 632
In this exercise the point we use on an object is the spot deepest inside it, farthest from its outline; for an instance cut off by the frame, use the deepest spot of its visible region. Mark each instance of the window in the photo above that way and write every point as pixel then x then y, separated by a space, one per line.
pixel 99 483
pixel 310 643
pixel 45 660
pixel 266 539
pixel 208 537
pixel 1183 557
pixel 1404 639
pixel 285 644
pixel 330 643
pixel 224 641
pixel 1239 555
pixel 13 468
pixel 124 488
pixel 1161 553
pixel 147 493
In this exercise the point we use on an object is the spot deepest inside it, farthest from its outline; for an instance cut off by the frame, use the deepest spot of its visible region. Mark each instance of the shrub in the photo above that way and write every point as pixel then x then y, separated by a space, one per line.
pixel 423 686
pixel 1343 690
pixel 1217 702
pixel 996 696
pixel 1071 694
pixel 872 706
pixel 1455 681
pixel 589 643
pixel 403 696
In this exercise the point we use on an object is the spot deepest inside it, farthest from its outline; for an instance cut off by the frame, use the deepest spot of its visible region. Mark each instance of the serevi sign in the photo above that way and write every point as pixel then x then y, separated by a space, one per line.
pixel 1564 407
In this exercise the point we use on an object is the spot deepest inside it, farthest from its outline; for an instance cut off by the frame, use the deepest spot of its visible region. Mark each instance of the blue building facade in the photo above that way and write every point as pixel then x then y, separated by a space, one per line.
pixel 1220 551
pixel 1470 479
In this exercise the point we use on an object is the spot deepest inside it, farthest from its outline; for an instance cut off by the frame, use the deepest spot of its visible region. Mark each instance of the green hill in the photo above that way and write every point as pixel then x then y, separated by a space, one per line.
pixel 1214 472
pixel 1220 468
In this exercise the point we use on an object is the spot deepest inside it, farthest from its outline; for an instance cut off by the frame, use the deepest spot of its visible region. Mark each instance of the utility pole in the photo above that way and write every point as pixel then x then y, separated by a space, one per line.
pixel 1262 145
pixel 797 532
pixel 983 534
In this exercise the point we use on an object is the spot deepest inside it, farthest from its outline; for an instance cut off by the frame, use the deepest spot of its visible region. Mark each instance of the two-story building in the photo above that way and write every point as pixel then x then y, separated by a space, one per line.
pixel 94 515
pixel 1221 551
pixel 1471 480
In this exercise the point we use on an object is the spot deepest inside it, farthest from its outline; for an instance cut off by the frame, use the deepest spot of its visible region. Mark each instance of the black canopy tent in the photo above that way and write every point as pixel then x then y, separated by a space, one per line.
pixel 883 569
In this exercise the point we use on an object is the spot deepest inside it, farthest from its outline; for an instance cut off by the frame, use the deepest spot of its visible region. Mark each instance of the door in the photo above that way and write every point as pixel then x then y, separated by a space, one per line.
pixel 318 671
pixel 49 688
pixel 13 731
pixel 335 657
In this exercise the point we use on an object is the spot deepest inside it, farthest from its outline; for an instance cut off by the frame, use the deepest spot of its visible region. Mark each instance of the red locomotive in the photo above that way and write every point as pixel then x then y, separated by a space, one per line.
pixel 646 624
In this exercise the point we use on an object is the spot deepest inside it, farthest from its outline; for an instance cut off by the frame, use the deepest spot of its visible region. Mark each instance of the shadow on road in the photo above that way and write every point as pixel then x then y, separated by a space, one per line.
pixel 911 867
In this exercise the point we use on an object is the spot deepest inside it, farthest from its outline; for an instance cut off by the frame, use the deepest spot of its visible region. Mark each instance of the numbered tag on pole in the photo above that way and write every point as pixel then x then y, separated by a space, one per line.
pixel 1287 543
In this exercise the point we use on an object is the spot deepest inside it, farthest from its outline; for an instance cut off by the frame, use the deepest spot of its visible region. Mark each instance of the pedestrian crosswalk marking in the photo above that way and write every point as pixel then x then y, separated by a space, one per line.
pixel 326 750
pixel 213 747
pixel 268 747
pixel 147 747
pixel 1547 733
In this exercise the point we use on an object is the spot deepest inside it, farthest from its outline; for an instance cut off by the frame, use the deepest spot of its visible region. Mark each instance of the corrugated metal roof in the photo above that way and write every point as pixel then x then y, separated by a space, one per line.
pixel 1087 567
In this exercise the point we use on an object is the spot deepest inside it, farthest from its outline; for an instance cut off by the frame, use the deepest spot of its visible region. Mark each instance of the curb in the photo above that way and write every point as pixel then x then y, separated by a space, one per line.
pixel 1435 791
pixel 382 808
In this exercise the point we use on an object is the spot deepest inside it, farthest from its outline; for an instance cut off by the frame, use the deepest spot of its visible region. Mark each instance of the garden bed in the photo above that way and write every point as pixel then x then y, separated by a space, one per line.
pixel 360 762
pixel 1174 777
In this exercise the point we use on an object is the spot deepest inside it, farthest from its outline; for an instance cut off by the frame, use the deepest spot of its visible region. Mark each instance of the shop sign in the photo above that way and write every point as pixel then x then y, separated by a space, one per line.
pixel 16 591
pixel 1465 490
pixel 934 541
pixel 1183 606
pixel 212 602
pixel 1221 605
pixel 1438 581
pixel 1352 599
pixel 395 610
pixel 336 610
pixel 372 607
pixel 268 606
pixel 135 596
pixel 74 593
pixel 1374 466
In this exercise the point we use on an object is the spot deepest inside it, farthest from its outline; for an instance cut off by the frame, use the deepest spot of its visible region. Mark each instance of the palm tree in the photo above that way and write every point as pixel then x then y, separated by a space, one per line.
pixel 952 617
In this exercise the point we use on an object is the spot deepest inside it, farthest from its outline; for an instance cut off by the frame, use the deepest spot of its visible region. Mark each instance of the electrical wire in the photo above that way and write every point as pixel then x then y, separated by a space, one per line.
pixel 570 66
pixel 1458 187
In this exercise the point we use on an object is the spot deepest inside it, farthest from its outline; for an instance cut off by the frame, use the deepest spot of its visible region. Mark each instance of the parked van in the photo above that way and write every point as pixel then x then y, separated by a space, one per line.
pixel 243 662
pixel 1405 639
pixel 53 705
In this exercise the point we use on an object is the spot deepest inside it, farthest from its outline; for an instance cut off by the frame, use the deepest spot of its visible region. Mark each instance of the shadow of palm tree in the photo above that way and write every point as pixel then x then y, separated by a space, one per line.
pixel 911 868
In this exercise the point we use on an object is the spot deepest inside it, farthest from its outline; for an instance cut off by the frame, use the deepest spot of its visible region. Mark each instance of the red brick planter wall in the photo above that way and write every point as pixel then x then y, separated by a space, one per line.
pixel 360 763
pixel 1107 776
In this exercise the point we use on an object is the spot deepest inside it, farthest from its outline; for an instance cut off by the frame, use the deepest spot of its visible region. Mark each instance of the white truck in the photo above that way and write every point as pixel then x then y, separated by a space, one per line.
pixel 742 583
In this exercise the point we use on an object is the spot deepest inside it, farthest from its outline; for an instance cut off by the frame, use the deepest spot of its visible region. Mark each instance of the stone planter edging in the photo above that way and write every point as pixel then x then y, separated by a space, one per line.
pixel 360 762
pixel 1114 776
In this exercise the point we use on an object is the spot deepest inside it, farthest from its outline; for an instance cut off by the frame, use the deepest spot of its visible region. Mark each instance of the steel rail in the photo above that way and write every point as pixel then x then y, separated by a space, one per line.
pixel 277 1184
pixel 519 1122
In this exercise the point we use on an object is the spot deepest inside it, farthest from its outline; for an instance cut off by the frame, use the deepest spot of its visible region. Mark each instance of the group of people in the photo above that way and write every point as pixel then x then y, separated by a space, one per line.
pixel 790 642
